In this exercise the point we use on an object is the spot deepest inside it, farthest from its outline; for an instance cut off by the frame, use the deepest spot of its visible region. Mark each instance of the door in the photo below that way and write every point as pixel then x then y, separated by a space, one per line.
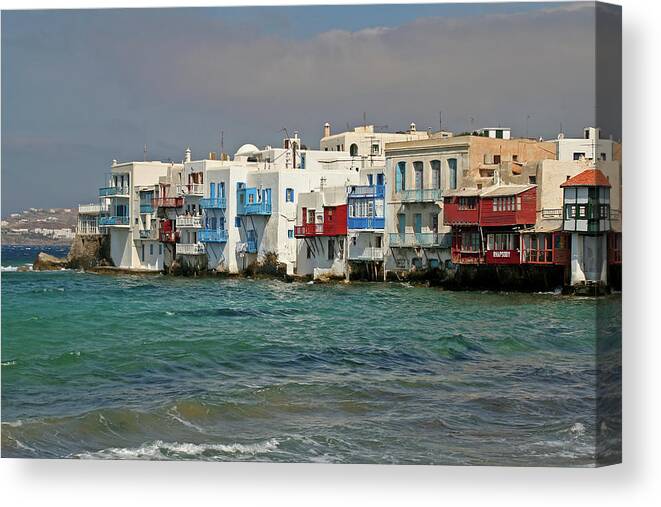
pixel 212 191
pixel 418 223
pixel 380 179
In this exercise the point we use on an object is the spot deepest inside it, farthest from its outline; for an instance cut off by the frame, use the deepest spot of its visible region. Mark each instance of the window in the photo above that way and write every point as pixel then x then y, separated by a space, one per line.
pixel 290 233
pixel 379 241
pixel 380 179
pixel 578 155
pixel 341 248
pixel 499 135
pixel 418 172
pixel 496 158
pixel 470 241
pixel 331 248
pixel 400 177
pixel 502 241
pixel 142 253
pixel 452 166
pixel 289 195
pixel 603 156
pixel 375 149
pixel 160 249
pixel 467 203
pixel 532 180
pixel 237 221
pixel 353 150
pixel 436 174
pixel 309 251
pixel 538 247
pixel 151 249
pixel 515 158
pixel 302 161
pixel 509 203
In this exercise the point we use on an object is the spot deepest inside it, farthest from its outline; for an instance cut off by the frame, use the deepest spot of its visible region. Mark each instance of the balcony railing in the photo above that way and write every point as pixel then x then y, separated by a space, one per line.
pixel 146 208
pixel 189 221
pixel 114 191
pixel 167 202
pixel 148 234
pixel 369 253
pixel 552 213
pixel 420 239
pixel 91 209
pixel 366 222
pixel 255 208
pixel 168 236
pixel 421 195
pixel 190 249
pixel 367 191
pixel 113 220
pixel 213 202
pixel 190 189
pixel 213 235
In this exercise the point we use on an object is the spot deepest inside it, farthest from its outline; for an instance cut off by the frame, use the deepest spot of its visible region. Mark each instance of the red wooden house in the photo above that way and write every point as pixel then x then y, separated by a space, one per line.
pixel 461 211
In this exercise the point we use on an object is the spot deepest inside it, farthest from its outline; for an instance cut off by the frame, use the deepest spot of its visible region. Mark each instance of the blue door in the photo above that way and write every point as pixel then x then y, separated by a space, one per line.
pixel 418 223
pixel 379 179
pixel 400 177
pixel 212 190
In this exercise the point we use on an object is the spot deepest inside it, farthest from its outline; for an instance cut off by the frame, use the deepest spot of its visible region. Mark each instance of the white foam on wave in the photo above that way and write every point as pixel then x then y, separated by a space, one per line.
pixel 174 414
pixel 8 268
pixel 175 450
pixel 169 313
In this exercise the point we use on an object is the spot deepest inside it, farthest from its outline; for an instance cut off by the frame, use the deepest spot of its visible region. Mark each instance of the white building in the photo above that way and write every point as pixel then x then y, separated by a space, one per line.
pixel 589 147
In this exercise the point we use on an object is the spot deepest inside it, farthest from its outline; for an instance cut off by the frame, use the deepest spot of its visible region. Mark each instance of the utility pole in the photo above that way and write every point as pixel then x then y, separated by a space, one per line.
pixel 144 154
pixel 440 121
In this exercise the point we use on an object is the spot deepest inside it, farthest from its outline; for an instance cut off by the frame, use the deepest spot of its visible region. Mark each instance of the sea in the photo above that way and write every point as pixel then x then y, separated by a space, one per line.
pixel 156 367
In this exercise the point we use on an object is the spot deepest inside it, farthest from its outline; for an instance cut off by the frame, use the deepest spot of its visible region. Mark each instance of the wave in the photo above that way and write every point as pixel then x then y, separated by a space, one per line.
pixel 8 268
pixel 160 450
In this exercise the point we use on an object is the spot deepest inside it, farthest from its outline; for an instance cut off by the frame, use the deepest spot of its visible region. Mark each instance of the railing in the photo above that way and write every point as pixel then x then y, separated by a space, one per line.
pixel 255 208
pixel 113 220
pixel 367 191
pixel 212 235
pixel 552 213
pixel 369 253
pixel 420 239
pixel 148 234
pixel 190 189
pixel 91 209
pixel 214 202
pixel 421 195
pixel 167 202
pixel 308 230
pixel 366 222
pixel 189 221
pixel 146 208
pixel 190 249
pixel 116 191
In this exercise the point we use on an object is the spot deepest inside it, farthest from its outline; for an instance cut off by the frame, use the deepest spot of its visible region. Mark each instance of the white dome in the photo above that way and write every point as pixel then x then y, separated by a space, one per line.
pixel 245 150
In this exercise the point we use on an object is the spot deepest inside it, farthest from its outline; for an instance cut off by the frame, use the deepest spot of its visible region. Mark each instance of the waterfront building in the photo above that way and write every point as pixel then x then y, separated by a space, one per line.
pixel 131 223
pixel 322 233
pixel 590 147
pixel 89 216
pixel 421 172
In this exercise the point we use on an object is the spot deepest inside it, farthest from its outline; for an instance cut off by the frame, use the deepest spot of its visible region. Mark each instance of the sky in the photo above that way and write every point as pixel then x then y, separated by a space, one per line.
pixel 83 87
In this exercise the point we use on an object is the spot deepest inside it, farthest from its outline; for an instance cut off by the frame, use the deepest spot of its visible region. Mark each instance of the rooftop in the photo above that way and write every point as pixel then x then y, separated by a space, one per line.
pixel 588 178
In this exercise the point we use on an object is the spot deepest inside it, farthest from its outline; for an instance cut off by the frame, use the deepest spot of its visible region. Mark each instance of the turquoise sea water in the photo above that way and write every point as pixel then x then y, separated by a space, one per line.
pixel 156 367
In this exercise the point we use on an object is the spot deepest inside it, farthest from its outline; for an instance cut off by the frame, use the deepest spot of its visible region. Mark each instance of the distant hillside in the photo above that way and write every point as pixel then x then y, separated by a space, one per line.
pixel 38 226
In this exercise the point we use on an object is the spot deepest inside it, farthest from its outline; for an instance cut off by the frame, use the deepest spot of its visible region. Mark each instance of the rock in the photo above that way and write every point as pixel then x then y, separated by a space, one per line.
pixel 46 262
pixel 89 251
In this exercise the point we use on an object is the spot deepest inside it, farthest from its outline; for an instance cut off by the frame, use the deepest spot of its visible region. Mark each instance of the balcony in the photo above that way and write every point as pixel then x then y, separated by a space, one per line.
pixel 366 223
pixel 110 221
pixel 322 229
pixel 114 191
pixel 194 189
pixel 376 191
pixel 213 203
pixel 168 236
pixel 212 236
pixel 91 209
pixel 420 239
pixel 193 222
pixel 149 234
pixel 190 249
pixel 421 195
pixel 369 253
pixel 167 202
pixel 552 213
pixel 255 208
pixel 146 208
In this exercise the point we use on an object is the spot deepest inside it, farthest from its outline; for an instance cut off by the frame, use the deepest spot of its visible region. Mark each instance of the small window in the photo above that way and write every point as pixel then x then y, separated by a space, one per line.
pixel 353 150
pixel 515 158
pixel 331 249
pixel 603 156
pixel 578 155
pixel 532 180
pixel 289 195
pixel 160 249
pixel 237 222
pixel 290 233
pixel 151 249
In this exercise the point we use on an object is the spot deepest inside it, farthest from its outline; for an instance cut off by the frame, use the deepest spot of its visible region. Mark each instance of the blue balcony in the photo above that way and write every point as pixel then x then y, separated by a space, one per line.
pixel 212 235
pixel 113 220
pixel 113 191
pixel 376 191
pixel 366 223
pixel 255 208
pixel 213 203
pixel 146 208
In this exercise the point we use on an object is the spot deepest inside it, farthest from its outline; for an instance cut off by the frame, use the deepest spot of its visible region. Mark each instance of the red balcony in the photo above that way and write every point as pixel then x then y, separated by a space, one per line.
pixel 168 202
pixel 462 209
pixel 467 246
pixel 166 232
pixel 508 206
pixel 334 224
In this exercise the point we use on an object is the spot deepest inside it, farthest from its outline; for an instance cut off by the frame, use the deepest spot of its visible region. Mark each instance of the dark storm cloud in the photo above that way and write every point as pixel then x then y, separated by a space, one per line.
pixel 80 88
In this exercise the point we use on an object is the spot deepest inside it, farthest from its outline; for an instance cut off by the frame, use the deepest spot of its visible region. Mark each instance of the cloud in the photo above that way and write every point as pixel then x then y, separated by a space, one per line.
pixel 114 80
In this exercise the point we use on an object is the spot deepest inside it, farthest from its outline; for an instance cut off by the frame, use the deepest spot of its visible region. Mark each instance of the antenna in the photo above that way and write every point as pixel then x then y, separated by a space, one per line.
pixel 440 121
pixel 145 153
pixel 364 119
pixel 527 118
pixel 222 144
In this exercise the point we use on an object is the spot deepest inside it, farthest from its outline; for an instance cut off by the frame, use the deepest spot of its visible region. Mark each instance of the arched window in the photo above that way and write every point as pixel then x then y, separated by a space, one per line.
pixel 418 173
pixel 436 174
pixel 452 166
pixel 353 150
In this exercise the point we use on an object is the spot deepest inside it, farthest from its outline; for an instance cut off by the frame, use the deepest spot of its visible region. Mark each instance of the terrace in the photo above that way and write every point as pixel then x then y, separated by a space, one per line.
pixel 420 239
pixel 191 249
pixel 213 203
pixel 115 191
pixel 114 221
pixel 213 235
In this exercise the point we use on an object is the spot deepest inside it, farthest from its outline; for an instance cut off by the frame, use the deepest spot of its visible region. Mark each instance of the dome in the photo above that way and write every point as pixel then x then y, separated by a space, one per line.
pixel 245 150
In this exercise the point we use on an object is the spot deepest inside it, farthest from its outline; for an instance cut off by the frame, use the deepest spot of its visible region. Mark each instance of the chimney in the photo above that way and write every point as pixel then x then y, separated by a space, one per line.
pixel 187 155
pixel 327 129
pixel 412 128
